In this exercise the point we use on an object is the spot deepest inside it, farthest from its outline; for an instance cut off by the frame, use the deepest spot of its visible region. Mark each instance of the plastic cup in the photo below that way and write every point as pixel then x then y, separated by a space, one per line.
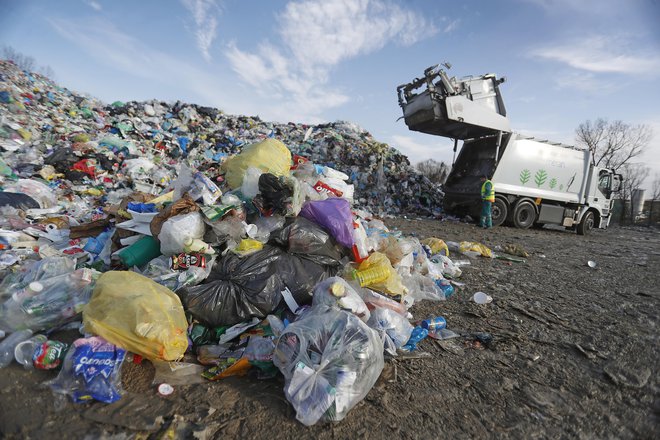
pixel 25 350
pixel 481 298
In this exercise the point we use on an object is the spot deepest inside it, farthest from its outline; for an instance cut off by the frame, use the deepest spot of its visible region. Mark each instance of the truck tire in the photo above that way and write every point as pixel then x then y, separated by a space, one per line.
pixel 500 211
pixel 524 215
pixel 587 224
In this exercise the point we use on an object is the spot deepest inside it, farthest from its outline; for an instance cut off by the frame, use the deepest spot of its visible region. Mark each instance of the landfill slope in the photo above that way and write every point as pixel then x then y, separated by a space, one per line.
pixel 562 351
pixel 38 118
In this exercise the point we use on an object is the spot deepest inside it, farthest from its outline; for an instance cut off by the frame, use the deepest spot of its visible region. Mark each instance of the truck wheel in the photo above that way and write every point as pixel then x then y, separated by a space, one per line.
pixel 587 224
pixel 524 215
pixel 500 211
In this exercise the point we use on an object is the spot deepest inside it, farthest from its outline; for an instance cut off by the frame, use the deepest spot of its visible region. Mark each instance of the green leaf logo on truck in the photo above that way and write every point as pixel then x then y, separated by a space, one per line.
pixel 553 183
pixel 540 177
pixel 524 176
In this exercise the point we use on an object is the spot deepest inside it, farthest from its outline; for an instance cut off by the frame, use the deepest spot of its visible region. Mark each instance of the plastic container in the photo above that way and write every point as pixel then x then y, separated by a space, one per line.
pixel 24 351
pixel 141 252
pixel 481 298
pixel 434 324
pixel 95 245
pixel 8 345
pixel 373 275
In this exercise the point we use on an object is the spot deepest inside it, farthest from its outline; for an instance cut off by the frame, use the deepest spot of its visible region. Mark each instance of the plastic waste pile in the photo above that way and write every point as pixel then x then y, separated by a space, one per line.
pixel 210 245
pixel 56 133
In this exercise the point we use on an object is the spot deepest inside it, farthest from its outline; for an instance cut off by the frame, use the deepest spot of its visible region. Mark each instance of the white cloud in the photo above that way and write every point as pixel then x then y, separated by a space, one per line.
pixel 116 50
pixel 317 35
pixel 94 5
pixel 586 82
pixel 206 23
pixel 452 26
pixel 325 32
pixel 603 54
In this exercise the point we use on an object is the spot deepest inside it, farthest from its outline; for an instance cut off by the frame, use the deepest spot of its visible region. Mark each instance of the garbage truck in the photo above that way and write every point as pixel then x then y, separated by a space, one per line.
pixel 537 182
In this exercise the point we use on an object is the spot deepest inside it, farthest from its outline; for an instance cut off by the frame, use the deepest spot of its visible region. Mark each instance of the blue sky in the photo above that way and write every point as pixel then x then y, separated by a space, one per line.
pixel 566 61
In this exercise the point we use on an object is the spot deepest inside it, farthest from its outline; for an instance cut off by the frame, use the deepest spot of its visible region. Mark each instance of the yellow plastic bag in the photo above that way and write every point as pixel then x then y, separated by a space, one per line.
pixel 269 155
pixel 137 314
pixel 248 246
pixel 377 273
pixel 436 245
pixel 467 246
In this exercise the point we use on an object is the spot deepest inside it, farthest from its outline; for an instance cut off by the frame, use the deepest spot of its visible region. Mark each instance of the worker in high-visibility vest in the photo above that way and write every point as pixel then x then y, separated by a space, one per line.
pixel 487 199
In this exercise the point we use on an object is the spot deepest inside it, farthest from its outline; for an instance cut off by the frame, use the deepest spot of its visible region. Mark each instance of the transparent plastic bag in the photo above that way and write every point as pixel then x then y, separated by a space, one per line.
pixel 250 185
pixel 421 287
pixel 90 371
pixel 138 314
pixel 48 302
pixel 336 292
pixel 330 360
pixel 449 268
pixel 393 324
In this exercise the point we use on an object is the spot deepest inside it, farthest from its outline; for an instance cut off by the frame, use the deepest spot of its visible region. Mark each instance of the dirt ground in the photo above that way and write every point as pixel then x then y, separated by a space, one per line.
pixel 563 351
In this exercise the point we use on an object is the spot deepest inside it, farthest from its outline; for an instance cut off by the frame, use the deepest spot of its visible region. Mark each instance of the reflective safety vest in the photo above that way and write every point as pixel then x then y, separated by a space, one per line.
pixel 488 195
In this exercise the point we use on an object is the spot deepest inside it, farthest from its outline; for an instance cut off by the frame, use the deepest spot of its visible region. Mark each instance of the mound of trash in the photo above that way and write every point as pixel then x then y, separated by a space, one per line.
pixel 210 245
pixel 100 145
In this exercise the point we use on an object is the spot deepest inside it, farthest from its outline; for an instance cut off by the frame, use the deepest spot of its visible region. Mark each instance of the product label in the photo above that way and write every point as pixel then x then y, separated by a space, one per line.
pixel 49 355
pixel 186 261
pixel 321 187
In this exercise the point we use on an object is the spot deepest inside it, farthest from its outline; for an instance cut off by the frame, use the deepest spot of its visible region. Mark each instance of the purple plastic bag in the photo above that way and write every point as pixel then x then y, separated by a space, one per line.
pixel 334 215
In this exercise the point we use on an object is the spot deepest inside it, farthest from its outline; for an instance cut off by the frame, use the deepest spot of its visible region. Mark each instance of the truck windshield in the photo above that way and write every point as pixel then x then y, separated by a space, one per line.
pixel 605 183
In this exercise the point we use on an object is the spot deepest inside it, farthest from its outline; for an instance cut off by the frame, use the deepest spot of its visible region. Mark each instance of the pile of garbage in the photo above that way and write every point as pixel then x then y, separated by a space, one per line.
pixel 103 145
pixel 210 245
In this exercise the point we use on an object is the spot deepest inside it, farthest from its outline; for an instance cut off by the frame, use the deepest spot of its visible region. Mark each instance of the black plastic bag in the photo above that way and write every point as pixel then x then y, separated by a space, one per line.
pixel 240 288
pixel 18 200
pixel 274 194
pixel 308 240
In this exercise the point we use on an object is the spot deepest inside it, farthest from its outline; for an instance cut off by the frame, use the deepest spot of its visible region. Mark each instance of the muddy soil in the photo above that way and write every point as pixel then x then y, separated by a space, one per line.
pixel 563 351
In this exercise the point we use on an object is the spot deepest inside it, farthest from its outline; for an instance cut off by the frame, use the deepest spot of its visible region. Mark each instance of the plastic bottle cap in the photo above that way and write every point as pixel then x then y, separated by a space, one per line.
pixel 165 389
pixel 36 286
pixel 338 289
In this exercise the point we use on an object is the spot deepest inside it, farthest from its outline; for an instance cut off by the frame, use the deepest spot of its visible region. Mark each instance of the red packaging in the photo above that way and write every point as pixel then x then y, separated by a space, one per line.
pixel 186 261
pixel 321 187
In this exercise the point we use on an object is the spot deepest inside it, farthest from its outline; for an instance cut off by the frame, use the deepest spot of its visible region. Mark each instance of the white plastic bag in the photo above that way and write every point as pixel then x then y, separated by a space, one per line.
pixel 178 229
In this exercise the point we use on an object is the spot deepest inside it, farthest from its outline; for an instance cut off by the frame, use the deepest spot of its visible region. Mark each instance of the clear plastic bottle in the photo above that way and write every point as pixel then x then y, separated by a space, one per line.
pixel 8 345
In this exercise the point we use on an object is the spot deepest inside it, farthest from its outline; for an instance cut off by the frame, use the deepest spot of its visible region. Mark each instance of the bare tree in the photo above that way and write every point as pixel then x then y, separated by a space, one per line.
pixel 47 71
pixel 613 144
pixel 23 61
pixel 634 175
pixel 436 172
